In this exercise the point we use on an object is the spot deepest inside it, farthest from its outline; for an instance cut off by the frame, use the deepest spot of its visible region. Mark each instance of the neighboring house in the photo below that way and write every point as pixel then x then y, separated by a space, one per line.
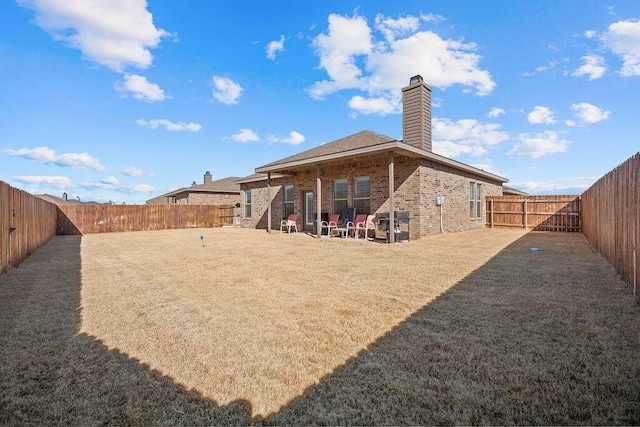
pixel 64 200
pixel 510 191
pixel 220 192
pixel 358 171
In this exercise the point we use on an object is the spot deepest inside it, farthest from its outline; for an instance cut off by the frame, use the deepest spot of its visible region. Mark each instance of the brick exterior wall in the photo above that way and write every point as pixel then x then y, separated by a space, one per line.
pixel 417 184
pixel 213 199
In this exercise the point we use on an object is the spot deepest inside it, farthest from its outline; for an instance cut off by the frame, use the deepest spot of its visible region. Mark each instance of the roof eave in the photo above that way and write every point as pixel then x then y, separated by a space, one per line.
pixel 398 146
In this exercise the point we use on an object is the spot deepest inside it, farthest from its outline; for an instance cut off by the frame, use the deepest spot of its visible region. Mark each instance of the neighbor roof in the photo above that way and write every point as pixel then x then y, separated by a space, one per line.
pixel 224 185
pixel 362 144
pixel 59 201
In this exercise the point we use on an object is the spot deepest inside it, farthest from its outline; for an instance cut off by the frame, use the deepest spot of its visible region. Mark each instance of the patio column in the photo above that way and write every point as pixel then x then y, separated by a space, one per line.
pixel 318 201
pixel 268 202
pixel 392 208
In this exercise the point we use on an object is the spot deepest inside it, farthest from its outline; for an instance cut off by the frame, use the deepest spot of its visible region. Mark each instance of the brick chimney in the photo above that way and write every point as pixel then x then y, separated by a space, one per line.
pixel 207 178
pixel 416 114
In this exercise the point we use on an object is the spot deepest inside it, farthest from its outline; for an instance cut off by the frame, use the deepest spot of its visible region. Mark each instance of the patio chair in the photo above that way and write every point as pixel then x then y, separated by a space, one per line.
pixel 332 223
pixel 291 221
pixel 360 218
pixel 347 216
pixel 368 224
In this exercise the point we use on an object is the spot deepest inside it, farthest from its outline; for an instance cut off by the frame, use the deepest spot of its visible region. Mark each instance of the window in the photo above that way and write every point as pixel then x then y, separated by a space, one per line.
pixel 475 200
pixel 478 200
pixel 247 203
pixel 288 200
pixel 362 195
pixel 340 195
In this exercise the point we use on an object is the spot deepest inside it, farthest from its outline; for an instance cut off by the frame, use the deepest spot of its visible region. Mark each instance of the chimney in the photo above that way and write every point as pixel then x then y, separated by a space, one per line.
pixel 416 114
pixel 64 196
pixel 207 178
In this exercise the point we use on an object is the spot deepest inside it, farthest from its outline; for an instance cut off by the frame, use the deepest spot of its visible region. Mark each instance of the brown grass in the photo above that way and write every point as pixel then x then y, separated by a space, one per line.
pixel 469 328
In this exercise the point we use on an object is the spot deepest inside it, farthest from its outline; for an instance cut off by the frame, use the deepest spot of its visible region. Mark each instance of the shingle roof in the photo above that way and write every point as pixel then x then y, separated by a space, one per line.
pixel 362 139
pixel 224 184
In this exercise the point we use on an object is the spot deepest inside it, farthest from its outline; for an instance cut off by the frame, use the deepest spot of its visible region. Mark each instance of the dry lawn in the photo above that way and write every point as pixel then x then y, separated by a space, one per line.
pixel 468 328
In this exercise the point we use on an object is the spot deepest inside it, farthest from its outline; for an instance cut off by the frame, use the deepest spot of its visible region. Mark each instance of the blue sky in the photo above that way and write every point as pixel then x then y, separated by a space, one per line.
pixel 124 100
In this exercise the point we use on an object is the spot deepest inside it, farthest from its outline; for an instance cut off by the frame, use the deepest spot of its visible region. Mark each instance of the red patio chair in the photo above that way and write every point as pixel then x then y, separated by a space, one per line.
pixel 332 223
pixel 291 221
pixel 366 225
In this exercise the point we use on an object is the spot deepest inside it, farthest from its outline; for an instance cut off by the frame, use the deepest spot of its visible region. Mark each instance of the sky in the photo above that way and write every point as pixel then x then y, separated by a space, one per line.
pixel 124 100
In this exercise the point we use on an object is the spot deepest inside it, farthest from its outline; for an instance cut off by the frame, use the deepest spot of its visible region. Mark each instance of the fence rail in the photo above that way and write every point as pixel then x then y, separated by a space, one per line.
pixel 26 223
pixel 542 213
pixel 611 211
pixel 90 219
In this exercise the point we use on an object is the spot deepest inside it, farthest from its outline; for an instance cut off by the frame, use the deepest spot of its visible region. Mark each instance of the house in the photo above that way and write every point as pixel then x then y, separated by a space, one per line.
pixel 510 191
pixel 224 191
pixel 439 194
pixel 64 200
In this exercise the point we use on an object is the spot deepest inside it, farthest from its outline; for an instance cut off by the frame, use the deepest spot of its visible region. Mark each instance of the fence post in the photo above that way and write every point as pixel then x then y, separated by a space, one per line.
pixel 526 219
pixel 491 213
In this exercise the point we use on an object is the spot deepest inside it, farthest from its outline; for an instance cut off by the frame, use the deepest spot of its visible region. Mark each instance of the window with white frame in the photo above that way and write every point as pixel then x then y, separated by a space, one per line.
pixel 478 200
pixel 340 195
pixel 288 200
pixel 362 195
pixel 475 200
pixel 247 203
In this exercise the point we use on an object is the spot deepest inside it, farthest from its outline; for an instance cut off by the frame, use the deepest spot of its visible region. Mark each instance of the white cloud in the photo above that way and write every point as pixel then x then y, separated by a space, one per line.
pixel 589 113
pixel 275 46
pixel 541 115
pixel 538 145
pixel 118 188
pixel 594 67
pixel 452 150
pixel 169 125
pixel 110 180
pixel 132 171
pixel 226 90
pixel 295 138
pixel 354 59
pixel 346 39
pixel 49 156
pixel 431 17
pixel 59 182
pixel 572 185
pixel 113 33
pixel 139 88
pixel 375 105
pixel 244 136
pixel 495 112
pixel 135 189
pixel 394 28
pixel 468 131
pixel 623 38
pixel 590 34
pixel 489 167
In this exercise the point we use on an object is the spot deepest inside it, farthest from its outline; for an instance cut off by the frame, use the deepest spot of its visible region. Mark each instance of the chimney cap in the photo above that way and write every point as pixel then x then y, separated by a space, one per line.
pixel 416 79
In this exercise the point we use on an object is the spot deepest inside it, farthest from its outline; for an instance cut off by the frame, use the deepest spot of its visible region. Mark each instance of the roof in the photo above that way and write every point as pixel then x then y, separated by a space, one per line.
pixel 257 177
pixel 361 144
pixel 510 191
pixel 59 201
pixel 362 139
pixel 224 185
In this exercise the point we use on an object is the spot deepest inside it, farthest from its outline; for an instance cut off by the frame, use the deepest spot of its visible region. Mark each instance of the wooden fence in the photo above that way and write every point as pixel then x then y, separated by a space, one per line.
pixel 541 213
pixel 89 219
pixel 611 218
pixel 26 223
